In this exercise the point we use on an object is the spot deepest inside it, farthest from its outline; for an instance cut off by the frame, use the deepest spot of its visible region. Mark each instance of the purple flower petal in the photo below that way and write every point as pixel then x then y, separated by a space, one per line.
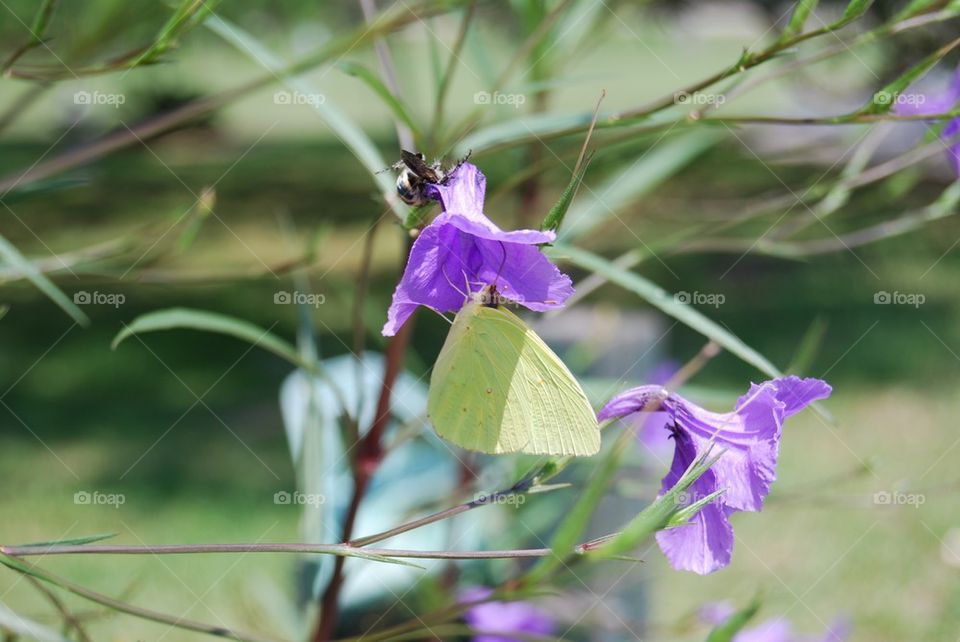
pixel 705 543
pixel 463 191
pixel 953 151
pixel 507 618
pixel 773 630
pixel 633 400
pixel 776 630
pixel 461 196
pixel 747 438
pixel 424 280
pixel 715 613
pixel 938 104
pixel 462 252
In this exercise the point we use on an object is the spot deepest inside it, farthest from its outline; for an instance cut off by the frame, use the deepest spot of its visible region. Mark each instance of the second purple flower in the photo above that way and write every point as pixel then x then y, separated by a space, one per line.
pixel 749 439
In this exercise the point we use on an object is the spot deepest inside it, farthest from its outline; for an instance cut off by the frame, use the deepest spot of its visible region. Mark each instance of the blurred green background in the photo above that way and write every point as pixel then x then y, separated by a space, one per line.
pixel 187 425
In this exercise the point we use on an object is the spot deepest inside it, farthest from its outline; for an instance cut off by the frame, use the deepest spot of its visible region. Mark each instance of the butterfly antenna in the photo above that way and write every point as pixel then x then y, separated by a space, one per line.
pixel 466 296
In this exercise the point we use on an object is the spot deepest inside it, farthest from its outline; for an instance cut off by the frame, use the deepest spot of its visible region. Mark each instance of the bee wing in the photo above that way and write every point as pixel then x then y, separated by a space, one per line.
pixel 414 162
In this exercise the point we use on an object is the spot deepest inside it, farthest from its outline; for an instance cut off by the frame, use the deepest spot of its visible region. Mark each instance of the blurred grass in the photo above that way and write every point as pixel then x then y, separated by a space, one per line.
pixel 820 549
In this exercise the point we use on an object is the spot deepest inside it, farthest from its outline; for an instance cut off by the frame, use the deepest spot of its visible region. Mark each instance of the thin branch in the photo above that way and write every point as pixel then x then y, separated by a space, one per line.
pixel 404 135
pixel 37 31
pixel 452 65
pixel 369 456
pixel 341 550
pixel 29 569
pixel 520 487
pixel 69 618
pixel 389 20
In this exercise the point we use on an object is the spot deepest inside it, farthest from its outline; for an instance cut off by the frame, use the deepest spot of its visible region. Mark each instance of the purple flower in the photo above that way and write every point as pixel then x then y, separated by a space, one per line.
pixel 508 618
pixel 462 251
pixel 774 630
pixel 927 103
pixel 651 426
pixel 749 440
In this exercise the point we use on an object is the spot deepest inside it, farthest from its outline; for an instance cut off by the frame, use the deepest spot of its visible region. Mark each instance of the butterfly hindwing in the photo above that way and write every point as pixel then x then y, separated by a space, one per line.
pixel 498 388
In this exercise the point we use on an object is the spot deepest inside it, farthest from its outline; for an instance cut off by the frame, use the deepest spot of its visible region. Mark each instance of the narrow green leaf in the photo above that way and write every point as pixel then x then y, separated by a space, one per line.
pixel 808 348
pixel 685 514
pixel 12 256
pixel 799 18
pixel 520 128
pixel 547 488
pixel 602 202
pixel 41 20
pixel 76 541
pixel 854 10
pixel 884 100
pixel 372 557
pixel 373 81
pixel 915 7
pixel 555 216
pixel 189 319
pixel 726 631
pixel 548 470
pixel 665 302
pixel 352 135
pixel 659 514
pixel 187 15
pixel 572 527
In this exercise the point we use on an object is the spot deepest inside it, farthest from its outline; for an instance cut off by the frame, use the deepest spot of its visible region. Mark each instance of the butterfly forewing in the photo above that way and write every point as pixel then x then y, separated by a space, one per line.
pixel 497 388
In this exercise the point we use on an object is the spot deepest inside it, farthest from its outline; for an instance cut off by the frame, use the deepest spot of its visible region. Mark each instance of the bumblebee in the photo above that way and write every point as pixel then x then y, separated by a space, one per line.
pixel 416 173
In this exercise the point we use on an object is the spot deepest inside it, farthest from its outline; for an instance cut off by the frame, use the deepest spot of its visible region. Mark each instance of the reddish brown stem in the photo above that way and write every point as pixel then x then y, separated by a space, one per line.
pixel 369 455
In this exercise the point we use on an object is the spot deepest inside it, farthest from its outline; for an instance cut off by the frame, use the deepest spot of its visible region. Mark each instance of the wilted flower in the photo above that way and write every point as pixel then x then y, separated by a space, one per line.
pixel 749 440
pixel 928 103
pixel 507 618
pixel 774 630
pixel 462 251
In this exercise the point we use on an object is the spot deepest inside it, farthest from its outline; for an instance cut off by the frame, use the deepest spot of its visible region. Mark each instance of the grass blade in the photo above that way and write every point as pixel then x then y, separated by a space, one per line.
pixel 373 81
pixel 355 139
pixel 598 205
pixel 189 319
pixel 666 303
pixel 12 256
pixel 76 541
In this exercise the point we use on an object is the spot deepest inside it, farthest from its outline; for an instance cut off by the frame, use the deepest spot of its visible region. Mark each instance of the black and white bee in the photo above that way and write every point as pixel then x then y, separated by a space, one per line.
pixel 416 173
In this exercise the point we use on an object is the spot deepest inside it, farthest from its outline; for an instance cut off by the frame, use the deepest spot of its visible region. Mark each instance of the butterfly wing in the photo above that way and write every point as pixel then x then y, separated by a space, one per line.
pixel 498 388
